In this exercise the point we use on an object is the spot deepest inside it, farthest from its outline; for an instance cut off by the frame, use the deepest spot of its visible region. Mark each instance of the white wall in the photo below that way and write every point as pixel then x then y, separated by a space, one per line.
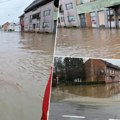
pixel 14 27
pixel 43 19
pixel 47 19
pixel 27 21
pixel 70 12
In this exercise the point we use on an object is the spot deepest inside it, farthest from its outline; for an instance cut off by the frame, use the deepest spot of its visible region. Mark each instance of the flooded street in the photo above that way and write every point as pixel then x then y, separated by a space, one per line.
pixel 25 61
pixel 76 42
pixel 109 91
pixel 87 102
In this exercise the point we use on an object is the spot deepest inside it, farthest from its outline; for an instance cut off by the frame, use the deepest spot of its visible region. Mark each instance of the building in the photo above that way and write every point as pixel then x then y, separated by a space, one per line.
pixel 11 27
pixel 100 71
pixel 22 22
pixel 14 27
pixel 92 13
pixel 5 26
pixel 40 16
pixel 68 16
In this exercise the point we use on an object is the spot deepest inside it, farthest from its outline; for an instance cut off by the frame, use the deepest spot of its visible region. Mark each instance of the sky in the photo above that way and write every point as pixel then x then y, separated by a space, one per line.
pixel 10 10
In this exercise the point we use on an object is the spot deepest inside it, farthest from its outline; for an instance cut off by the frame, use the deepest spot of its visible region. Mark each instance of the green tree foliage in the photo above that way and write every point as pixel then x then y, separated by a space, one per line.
pixel 58 68
pixel 69 69
pixel 74 69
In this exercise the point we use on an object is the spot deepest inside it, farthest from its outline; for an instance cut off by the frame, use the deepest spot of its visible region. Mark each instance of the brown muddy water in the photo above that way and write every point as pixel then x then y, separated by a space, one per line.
pixel 25 61
pixel 76 42
pixel 109 91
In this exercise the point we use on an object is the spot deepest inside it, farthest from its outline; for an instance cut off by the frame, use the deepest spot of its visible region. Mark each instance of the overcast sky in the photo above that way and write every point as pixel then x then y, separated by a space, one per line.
pixel 10 10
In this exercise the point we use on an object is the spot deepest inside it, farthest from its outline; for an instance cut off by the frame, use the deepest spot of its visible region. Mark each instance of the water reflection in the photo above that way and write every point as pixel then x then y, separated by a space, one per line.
pixel 88 42
pixel 95 91
pixel 25 61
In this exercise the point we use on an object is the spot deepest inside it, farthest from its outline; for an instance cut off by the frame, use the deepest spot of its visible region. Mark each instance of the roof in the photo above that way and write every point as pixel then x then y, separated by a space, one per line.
pixel 36 3
pixel 21 16
pixel 110 65
pixel 7 23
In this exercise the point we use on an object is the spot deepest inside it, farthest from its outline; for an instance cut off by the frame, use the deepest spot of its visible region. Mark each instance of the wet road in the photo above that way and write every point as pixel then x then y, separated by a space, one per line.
pixel 85 42
pixel 25 61
pixel 85 102
pixel 75 111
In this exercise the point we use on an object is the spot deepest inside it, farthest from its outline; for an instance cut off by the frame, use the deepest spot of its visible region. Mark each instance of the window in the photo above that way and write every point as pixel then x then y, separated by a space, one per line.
pixel 36 16
pixel 62 19
pixel 111 16
pixel 71 18
pixel 61 9
pixel 69 6
pixel 30 19
pixel 46 13
pixel 37 25
pixel 46 25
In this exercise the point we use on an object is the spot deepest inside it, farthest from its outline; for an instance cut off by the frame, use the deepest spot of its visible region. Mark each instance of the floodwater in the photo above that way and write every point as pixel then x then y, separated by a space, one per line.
pixel 110 91
pixel 25 61
pixel 77 42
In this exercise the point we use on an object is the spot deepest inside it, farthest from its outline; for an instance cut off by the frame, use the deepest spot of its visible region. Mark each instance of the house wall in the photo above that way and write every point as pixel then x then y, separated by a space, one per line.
pixel 93 69
pixel 27 21
pixel 97 71
pixel 70 15
pixel 22 23
pixel 96 13
pixel 112 75
pixel 96 5
pixel 48 20
pixel 5 27
pixel 14 27
pixel 44 24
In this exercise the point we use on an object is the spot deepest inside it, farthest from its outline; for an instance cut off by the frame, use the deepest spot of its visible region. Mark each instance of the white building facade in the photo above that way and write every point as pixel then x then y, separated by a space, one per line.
pixel 13 27
pixel 68 14
pixel 90 13
pixel 40 19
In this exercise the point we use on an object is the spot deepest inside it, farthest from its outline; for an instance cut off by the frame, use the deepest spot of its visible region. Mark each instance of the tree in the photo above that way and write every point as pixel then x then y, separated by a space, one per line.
pixel 74 69
pixel 58 68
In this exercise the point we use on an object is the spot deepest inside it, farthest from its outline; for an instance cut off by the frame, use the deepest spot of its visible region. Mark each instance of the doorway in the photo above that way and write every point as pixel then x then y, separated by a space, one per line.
pixel 101 18
pixel 82 20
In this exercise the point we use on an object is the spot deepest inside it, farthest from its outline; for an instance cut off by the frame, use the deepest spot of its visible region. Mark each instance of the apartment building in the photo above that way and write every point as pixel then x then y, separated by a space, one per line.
pixel 67 13
pixel 38 17
pixel 100 71
pixel 95 13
